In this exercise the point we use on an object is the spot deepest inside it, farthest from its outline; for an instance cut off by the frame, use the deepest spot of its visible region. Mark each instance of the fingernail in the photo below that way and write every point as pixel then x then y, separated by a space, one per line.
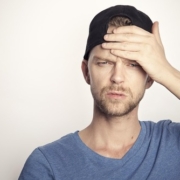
pixel 104 44
pixel 106 36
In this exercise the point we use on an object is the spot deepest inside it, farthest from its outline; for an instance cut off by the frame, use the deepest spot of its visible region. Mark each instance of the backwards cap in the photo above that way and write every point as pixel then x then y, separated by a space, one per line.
pixel 99 24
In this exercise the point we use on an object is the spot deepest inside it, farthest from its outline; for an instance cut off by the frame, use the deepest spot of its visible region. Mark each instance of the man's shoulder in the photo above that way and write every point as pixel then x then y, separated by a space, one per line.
pixel 162 127
pixel 154 123
pixel 64 148
pixel 161 123
pixel 50 158
pixel 64 143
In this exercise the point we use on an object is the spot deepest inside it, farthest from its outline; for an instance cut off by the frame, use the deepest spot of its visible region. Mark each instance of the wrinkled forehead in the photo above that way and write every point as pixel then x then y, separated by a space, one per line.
pixel 99 52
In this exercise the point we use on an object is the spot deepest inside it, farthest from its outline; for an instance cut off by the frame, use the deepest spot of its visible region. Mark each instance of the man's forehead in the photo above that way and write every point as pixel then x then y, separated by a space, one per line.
pixel 99 52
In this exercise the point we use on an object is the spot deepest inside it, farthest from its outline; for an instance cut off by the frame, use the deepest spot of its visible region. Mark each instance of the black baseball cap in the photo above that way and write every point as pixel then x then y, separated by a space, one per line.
pixel 99 24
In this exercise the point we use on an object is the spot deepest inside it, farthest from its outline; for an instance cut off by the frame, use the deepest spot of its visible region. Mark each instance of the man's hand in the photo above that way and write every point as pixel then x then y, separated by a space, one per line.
pixel 134 43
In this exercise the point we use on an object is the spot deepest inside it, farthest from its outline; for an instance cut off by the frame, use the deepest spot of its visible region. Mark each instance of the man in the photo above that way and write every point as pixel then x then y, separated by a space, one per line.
pixel 124 55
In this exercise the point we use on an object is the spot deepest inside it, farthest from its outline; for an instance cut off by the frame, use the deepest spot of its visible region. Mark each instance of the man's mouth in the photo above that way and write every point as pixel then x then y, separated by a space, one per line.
pixel 116 94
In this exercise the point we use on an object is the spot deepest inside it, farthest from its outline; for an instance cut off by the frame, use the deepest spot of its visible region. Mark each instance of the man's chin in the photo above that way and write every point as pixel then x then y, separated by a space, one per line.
pixel 117 109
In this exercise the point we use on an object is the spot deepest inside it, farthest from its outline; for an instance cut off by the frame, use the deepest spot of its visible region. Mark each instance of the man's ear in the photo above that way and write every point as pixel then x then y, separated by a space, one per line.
pixel 149 82
pixel 85 71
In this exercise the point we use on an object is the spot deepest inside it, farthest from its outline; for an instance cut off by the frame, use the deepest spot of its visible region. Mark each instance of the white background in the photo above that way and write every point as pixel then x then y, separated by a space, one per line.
pixel 43 95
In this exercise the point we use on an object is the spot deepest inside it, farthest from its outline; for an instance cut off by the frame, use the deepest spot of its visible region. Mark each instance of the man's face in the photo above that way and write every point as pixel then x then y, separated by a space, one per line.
pixel 117 84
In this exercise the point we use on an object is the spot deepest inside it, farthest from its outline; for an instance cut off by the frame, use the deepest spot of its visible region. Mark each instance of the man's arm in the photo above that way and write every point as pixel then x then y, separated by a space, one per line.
pixel 171 81
pixel 134 43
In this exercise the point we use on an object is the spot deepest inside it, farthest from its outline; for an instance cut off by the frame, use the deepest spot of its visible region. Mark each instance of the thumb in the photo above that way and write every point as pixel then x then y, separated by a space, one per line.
pixel 155 31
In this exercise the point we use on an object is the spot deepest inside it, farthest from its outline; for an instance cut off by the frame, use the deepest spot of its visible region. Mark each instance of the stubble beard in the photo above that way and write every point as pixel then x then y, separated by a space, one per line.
pixel 116 107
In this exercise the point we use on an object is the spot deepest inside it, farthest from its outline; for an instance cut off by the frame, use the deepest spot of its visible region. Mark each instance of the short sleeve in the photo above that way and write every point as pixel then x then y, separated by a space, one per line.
pixel 36 167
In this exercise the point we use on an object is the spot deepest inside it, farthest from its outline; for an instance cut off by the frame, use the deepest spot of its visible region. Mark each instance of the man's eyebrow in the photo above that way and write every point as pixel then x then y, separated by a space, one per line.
pixel 98 57
pixel 95 58
pixel 127 60
pixel 103 58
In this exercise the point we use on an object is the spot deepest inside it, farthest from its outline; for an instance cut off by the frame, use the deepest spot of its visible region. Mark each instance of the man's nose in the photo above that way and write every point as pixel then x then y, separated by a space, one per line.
pixel 118 74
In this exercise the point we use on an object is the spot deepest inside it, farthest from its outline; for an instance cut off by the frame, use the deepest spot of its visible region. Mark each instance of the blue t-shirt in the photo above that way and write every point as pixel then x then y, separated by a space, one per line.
pixel 154 156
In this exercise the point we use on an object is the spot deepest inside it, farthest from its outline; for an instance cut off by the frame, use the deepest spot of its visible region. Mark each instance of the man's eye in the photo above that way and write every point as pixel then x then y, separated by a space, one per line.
pixel 133 65
pixel 103 63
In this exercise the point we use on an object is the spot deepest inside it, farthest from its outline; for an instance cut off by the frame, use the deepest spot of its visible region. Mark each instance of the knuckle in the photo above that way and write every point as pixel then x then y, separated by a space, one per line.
pixel 148 47
pixel 126 36
pixel 127 53
pixel 124 46
pixel 113 45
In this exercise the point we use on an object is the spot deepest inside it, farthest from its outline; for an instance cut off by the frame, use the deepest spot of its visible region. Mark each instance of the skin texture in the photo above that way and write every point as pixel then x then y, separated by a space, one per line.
pixel 118 73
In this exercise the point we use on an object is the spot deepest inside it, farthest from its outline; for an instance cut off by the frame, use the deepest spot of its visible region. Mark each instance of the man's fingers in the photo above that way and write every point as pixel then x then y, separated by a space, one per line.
pixel 124 46
pixel 126 54
pixel 131 30
pixel 155 31
pixel 126 38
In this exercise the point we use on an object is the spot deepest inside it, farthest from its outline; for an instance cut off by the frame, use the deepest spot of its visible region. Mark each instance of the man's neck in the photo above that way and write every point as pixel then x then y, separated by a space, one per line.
pixel 111 136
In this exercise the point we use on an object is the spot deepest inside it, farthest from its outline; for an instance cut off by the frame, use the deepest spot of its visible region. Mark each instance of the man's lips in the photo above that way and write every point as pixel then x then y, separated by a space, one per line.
pixel 116 94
